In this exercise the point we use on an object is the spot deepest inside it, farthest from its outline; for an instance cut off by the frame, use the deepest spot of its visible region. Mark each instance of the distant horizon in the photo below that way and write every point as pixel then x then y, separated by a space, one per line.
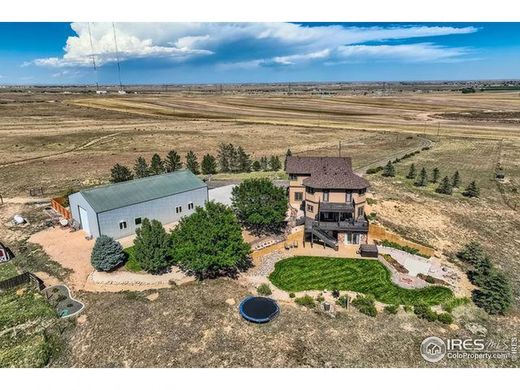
pixel 271 83
pixel 256 53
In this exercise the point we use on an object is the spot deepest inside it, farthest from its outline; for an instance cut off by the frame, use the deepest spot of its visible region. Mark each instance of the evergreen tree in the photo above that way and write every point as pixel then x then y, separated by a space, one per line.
pixel 455 180
pixel 225 155
pixel 389 170
pixel 173 161
pixel 192 163
pixel 209 165
pixel 411 173
pixel 274 163
pixel 494 294
pixel 264 163
pixel 244 160
pixel 445 186
pixel 234 159
pixel 141 168
pixel 472 190
pixel 151 246
pixel 287 154
pixel 156 165
pixel 120 173
pixel 107 254
pixel 257 166
pixel 435 175
pixel 422 180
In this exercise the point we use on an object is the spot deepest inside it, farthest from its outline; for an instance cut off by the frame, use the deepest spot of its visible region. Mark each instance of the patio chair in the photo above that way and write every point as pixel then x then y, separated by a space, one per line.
pixel 295 244
pixel 286 246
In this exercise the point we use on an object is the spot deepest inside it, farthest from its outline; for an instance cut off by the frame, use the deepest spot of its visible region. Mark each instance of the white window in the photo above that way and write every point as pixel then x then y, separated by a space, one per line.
pixel 178 209
pixel 190 206
pixel 122 225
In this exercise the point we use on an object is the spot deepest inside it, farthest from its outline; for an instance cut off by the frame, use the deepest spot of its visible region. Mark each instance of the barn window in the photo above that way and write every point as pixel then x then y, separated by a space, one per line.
pixel 138 221
pixel 298 196
pixel 122 225
pixel 190 206
pixel 178 209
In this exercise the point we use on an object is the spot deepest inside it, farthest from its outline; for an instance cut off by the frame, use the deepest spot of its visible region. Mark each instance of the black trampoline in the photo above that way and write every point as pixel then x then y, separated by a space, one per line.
pixel 259 309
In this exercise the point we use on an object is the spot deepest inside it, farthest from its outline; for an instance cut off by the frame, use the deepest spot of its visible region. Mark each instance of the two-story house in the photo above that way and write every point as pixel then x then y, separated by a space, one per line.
pixel 332 198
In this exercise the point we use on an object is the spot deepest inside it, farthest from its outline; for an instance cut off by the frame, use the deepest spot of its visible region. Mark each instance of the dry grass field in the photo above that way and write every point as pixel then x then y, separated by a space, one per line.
pixel 58 141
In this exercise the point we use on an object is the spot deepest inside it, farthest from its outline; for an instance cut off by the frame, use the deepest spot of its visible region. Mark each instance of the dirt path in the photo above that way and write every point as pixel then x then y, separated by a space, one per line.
pixel 75 149
pixel 425 142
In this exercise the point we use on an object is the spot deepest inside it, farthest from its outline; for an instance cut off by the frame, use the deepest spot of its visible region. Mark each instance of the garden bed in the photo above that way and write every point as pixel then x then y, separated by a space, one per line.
pixel 365 276
pixel 59 297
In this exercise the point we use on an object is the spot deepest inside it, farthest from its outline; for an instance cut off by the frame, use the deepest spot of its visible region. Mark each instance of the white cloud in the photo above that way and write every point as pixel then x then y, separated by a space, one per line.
pixel 248 44
pixel 418 52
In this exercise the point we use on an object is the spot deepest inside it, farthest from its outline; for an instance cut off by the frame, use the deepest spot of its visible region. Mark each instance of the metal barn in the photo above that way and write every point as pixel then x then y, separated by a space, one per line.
pixel 117 210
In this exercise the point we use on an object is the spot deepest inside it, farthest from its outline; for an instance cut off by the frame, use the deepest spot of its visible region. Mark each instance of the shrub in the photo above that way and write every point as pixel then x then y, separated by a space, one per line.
pixel 366 305
pixel 371 201
pixel 306 301
pixel 260 205
pixel 335 293
pixel 408 308
pixel 472 253
pixel 371 171
pixel 451 304
pixel 292 295
pixel 445 318
pixel 107 254
pixel 264 289
pixel 392 309
pixel 425 312
pixel 320 298
pixel 209 242
pixel 151 247
pixel 406 248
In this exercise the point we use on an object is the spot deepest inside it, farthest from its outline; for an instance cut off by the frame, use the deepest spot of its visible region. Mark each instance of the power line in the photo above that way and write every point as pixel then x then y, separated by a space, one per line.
pixel 117 57
pixel 93 57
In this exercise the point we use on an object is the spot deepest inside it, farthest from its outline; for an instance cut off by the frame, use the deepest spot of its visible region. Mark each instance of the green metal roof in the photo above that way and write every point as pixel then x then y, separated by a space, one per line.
pixel 115 196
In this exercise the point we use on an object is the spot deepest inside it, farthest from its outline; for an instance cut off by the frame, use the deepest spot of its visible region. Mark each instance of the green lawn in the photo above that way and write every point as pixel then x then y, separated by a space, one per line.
pixel 24 316
pixel 132 264
pixel 361 275
pixel 7 270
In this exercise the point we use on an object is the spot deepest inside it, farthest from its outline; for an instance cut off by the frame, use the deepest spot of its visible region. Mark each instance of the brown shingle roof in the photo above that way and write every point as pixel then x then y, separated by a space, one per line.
pixel 308 165
pixel 326 172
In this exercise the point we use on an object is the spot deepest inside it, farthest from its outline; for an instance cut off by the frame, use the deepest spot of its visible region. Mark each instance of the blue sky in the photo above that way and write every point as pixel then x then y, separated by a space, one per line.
pixel 62 53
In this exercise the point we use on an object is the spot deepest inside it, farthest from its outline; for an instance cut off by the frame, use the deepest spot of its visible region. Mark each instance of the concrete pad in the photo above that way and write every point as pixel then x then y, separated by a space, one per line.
pixel 221 194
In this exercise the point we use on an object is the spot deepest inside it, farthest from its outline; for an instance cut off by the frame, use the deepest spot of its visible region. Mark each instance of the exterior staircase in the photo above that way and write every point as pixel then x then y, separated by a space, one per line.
pixel 326 238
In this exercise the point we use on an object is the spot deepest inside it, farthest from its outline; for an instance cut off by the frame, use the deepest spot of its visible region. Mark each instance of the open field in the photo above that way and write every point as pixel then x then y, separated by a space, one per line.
pixel 365 276
pixel 58 141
